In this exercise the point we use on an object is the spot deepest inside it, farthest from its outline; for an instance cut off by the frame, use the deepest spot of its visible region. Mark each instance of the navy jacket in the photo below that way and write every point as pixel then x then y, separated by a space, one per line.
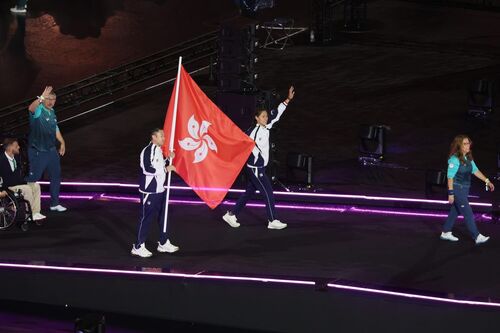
pixel 10 178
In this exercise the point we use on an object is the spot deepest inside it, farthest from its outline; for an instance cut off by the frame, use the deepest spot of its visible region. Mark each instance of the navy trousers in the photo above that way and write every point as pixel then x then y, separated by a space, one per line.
pixel 50 161
pixel 151 205
pixel 461 207
pixel 257 180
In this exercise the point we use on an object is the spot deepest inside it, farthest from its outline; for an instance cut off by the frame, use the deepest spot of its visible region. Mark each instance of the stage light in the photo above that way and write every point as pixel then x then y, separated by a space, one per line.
pixel 372 144
pixel 435 178
pixel 236 59
pixel 90 323
pixel 302 164
pixel 481 99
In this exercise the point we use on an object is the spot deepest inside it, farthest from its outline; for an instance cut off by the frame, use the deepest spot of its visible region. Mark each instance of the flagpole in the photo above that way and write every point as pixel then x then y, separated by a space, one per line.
pixel 171 142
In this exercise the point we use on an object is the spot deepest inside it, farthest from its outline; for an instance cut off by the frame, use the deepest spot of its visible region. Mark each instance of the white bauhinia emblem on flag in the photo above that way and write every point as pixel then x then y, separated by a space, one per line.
pixel 199 140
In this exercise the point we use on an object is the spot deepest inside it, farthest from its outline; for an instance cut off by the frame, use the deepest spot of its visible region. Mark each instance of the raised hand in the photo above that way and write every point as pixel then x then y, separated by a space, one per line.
pixel 291 92
pixel 47 91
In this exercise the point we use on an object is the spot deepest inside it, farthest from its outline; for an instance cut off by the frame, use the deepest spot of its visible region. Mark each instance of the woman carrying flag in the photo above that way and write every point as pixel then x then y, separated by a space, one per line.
pixel 255 169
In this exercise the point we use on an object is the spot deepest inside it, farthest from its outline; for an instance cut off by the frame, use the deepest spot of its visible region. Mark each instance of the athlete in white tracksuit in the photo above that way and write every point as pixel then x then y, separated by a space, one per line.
pixel 255 168
pixel 151 187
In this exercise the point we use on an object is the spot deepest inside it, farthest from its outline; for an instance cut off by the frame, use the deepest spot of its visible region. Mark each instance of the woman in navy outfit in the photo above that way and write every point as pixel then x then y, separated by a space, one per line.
pixel 461 166
pixel 255 169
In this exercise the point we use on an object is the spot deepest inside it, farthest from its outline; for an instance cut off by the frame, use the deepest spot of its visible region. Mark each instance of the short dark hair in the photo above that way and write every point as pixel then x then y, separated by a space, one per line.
pixel 7 142
pixel 258 112
pixel 154 131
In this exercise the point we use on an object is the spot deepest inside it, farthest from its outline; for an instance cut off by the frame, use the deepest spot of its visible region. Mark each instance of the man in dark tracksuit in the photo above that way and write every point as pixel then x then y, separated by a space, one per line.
pixel 151 186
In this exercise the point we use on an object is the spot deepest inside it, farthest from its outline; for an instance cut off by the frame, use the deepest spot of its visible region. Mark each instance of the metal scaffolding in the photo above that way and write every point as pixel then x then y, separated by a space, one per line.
pixel 200 49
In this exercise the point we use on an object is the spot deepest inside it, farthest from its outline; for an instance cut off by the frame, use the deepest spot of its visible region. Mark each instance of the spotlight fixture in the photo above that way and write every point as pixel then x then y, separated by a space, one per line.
pixel 434 178
pixel 372 144
pixel 299 164
pixel 480 99
pixel 90 323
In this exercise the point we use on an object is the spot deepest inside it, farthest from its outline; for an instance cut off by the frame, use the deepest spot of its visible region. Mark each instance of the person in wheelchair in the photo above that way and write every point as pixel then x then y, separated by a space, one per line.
pixel 14 208
pixel 11 173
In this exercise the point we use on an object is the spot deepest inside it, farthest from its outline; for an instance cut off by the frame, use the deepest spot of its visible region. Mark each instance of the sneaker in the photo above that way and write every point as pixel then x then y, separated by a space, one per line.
pixel 448 236
pixel 231 220
pixel 38 216
pixel 167 247
pixel 17 10
pixel 58 208
pixel 276 224
pixel 480 239
pixel 141 251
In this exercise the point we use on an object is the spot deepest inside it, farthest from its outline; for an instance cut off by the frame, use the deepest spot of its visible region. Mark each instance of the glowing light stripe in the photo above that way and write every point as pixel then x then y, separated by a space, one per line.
pixel 298 194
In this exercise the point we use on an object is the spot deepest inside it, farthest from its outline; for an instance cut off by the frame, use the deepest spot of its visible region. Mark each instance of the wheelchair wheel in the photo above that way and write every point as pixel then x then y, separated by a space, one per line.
pixel 8 211
pixel 24 226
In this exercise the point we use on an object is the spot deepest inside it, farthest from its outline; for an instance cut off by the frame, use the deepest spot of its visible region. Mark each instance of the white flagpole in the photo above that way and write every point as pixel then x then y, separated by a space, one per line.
pixel 171 142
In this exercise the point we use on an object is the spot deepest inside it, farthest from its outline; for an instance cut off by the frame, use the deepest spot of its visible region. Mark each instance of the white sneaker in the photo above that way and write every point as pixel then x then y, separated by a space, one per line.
pixel 276 224
pixel 167 247
pixel 38 216
pixel 231 220
pixel 141 251
pixel 58 208
pixel 448 236
pixel 17 10
pixel 480 239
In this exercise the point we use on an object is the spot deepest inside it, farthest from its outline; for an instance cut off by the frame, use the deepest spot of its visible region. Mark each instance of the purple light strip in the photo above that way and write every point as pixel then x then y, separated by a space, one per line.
pixel 163 274
pixel 92 184
pixel 413 296
pixel 70 197
pixel 298 194
pixel 199 202
pixel 338 209
pixel 392 212
pixel 120 198
pixel 248 279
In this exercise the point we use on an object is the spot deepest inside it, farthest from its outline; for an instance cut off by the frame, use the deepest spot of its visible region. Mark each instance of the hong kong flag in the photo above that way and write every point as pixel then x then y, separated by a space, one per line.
pixel 210 149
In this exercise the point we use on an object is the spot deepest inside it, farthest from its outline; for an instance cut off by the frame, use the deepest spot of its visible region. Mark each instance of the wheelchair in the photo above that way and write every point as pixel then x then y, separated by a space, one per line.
pixel 15 210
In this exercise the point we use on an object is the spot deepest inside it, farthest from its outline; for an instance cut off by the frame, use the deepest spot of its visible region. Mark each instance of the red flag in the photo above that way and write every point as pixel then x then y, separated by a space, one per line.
pixel 210 149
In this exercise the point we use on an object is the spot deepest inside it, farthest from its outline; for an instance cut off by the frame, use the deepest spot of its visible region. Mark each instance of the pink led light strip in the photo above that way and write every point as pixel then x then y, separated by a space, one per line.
pixel 298 194
pixel 413 296
pixel 162 274
pixel 251 279
pixel 299 207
